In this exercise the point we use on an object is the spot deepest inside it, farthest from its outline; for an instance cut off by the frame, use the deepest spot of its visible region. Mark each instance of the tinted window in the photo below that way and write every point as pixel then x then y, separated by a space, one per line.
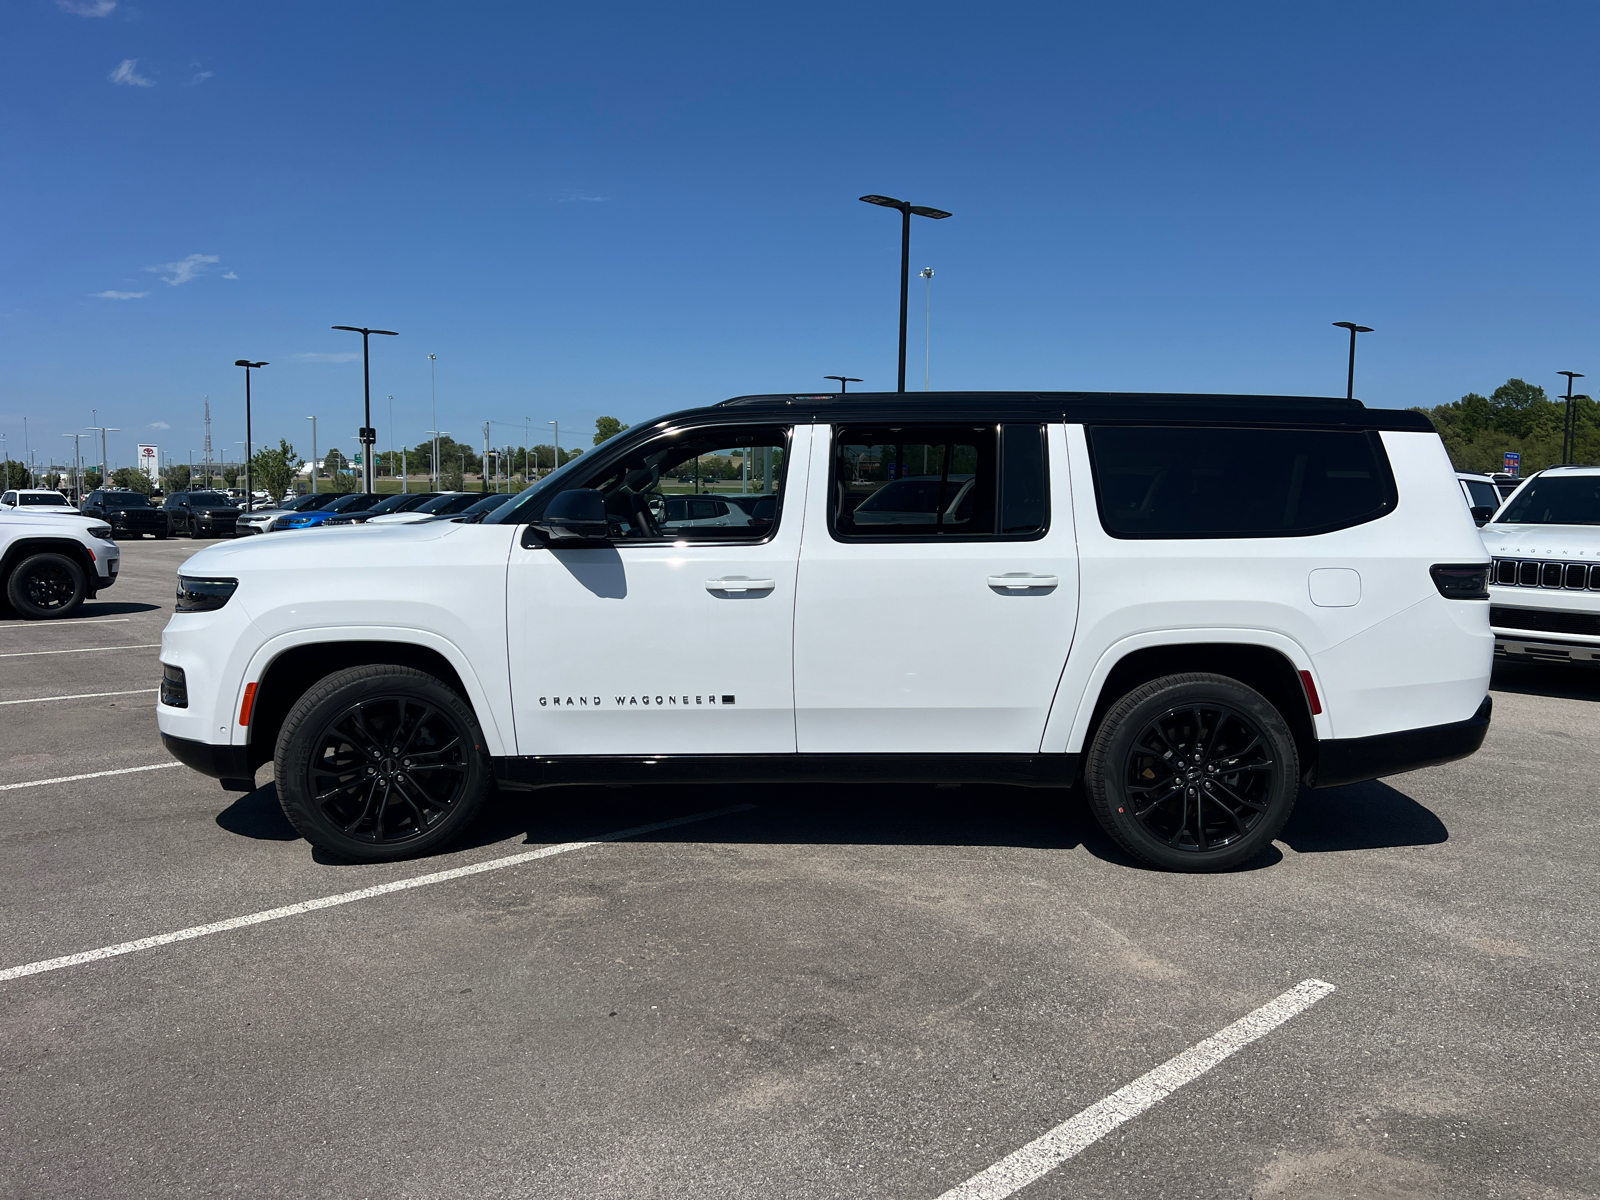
pixel 490 502
pixel 1161 482
pixel 354 502
pixel 312 502
pixel 444 505
pixel 914 481
pixel 1555 500
pixel 1024 498
pixel 1481 492
pixel 128 500
pixel 403 502
pixel 26 498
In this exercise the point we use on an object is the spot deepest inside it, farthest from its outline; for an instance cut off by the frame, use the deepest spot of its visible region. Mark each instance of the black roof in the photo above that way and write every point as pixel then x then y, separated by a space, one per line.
pixel 1166 408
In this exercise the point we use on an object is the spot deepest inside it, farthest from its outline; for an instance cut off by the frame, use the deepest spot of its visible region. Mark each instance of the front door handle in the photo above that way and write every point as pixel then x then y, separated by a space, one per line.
pixel 1018 581
pixel 738 583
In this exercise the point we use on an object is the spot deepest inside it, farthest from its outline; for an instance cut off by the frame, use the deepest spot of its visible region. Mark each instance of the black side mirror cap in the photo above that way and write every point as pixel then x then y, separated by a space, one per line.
pixel 576 515
pixel 1481 514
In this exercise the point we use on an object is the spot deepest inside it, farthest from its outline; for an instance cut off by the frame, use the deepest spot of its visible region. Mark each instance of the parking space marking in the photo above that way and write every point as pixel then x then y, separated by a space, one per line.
pixel 367 893
pixel 75 624
pixel 83 650
pixel 1044 1154
pixel 7 787
pixel 80 696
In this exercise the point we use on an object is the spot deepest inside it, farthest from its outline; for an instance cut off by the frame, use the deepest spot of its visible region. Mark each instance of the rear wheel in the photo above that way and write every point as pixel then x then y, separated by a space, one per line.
pixel 47 585
pixel 381 762
pixel 1193 772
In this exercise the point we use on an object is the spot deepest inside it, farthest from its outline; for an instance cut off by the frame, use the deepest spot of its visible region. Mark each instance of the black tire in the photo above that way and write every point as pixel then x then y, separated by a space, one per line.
pixel 45 586
pixel 1193 772
pixel 340 786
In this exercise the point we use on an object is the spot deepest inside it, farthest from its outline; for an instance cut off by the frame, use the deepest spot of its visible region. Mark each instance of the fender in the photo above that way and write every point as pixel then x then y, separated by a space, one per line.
pixel 1067 727
pixel 485 705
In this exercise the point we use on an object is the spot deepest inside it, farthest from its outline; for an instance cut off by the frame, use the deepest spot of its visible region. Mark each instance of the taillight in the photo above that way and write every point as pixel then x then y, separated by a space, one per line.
pixel 1469 581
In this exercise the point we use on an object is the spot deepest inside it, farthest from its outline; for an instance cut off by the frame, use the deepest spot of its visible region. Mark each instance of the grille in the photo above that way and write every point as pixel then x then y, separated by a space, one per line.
pixel 1544 622
pixel 1515 572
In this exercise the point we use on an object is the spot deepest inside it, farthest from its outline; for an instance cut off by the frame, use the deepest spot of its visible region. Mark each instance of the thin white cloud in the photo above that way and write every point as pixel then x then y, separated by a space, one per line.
pixel 159 425
pixel 230 275
pixel 87 8
pixel 572 196
pixel 126 74
pixel 343 356
pixel 120 295
pixel 200 77
pixel 184 270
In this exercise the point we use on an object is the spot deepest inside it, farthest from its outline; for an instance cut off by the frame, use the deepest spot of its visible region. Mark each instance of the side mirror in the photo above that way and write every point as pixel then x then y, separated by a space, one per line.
pixel 578 515
pixel 1481 514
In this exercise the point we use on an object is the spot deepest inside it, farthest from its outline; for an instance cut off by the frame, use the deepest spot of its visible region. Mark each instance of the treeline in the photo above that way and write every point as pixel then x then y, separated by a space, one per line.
pixel 1518 416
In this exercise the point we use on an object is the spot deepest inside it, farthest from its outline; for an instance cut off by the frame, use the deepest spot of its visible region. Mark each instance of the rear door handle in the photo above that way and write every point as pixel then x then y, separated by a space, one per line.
pixel 1018 581
pixel 738 583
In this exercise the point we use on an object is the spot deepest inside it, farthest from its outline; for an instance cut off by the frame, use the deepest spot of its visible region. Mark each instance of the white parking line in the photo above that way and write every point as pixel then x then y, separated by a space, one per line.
pixel 75 624
pixel 83 650
pixel 80 696
pixel 1044 1154
pixel 367 893
pixel 7 787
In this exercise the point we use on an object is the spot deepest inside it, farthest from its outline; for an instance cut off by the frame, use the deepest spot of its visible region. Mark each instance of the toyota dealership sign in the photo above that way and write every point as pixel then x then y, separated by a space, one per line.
pixel 150 463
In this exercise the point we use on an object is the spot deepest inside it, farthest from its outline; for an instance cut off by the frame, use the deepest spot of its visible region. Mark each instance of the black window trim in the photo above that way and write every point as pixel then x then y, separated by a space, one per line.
pixel 626 446
pixel 1391 491
pixel 999 426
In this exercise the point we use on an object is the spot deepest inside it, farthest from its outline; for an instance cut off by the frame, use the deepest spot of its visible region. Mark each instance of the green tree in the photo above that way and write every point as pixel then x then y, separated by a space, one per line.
pixel 17 475
pixel 91 480
pixel 273 470
pixel 230 475
pixel 607 427
pixel 1517 416
pixel 132 477
pixel 174 477
pixel 1517 407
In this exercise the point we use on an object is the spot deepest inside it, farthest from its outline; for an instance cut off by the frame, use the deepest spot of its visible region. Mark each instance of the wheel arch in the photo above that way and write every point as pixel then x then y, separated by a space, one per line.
pixel 1271 669
pixel 284 673
pixel 24 547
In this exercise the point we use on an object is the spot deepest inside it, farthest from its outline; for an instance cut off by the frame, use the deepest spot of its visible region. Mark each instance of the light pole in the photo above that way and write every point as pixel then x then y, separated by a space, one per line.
pixel 926 275
pixel 907 211
pixel 433 390
pixel 555 454
pixel 844 382
pixel 77 473
pixel 368 436
pixel 249 498
pixel 102 430
pixel 1350 379
pixel 313 421
pixel 1568 426
pixel 436 434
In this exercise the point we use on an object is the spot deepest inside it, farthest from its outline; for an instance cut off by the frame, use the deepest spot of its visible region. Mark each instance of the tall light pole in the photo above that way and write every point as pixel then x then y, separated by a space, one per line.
pixel 368 436
pixel 249 498
pixel 555 454
pixel 907 211
pixel 926 275
pixel 1350 379
pixel 433 390
pixel 313 421
pixel 77 473
pixel 436 434
pixel 844 382
pixel 102 430
pixel 1568 426
pixel 391 448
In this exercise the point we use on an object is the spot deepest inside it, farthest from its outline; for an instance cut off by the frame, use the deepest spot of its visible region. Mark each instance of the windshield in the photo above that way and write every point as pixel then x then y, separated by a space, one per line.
pixel 507 514
pixel 50 500
pixel 128 500
pixel 353 502
pixel 209 500
pixel 489 503
pixel 404 502
pixel 449 503
pixel 312 502
pixel 1555 500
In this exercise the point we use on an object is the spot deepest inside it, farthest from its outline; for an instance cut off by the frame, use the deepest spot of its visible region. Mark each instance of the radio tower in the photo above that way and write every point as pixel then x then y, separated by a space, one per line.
pixel 208 441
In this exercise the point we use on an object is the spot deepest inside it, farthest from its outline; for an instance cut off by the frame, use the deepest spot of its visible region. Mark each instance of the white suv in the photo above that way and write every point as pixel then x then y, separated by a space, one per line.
pixel 50 565
pixel 1545 592
pixel 1193 604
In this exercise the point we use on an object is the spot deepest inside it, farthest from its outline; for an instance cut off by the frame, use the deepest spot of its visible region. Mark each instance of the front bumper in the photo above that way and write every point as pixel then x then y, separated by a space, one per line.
pixel 231 764
pixel 1352 760
pixel 1524 647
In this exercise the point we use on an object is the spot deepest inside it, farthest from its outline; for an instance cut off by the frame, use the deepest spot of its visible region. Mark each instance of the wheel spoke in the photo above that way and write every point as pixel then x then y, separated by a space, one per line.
pixel 1141 813
pixel 404 744
pixel 405 794
pixel 372 791
pixel 1238 799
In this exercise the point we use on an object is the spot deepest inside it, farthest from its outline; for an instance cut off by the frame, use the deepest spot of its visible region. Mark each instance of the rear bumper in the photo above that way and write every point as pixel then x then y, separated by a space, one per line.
pixel 1352 760
pixel 227 763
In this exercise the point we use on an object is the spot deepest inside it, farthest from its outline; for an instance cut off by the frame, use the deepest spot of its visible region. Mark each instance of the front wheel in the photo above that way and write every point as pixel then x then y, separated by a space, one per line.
pixel 381 762
pixel 1193 772
pixel 47 585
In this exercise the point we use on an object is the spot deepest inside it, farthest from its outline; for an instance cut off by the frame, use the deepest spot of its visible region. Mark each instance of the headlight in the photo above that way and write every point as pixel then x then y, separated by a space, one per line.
pixel 204 595
pixel 103 532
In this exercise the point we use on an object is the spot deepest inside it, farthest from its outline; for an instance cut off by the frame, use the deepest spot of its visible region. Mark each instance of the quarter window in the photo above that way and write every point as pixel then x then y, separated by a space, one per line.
pixel 1182 482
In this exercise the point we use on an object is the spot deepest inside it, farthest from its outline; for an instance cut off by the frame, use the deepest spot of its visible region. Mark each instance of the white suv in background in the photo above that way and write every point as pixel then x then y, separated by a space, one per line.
pixel 37 502
pixel 1545 591
pixel 1191 605
pixel 50 566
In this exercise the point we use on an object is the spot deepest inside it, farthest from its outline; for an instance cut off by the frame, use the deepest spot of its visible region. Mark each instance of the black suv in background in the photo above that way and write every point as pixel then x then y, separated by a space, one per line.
pixel 129 513
pixel 201 514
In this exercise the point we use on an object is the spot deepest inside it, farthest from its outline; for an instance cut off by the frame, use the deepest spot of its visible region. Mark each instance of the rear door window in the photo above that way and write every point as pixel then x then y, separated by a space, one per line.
pixel 1218 482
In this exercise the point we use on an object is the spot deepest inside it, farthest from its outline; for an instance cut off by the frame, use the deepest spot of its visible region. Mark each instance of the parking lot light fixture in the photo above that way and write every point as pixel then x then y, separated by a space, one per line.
pixel 248 366
pixel 1569 429
pixel 1350 378
pixel 907 211
pixel 368 435
pixel 844 382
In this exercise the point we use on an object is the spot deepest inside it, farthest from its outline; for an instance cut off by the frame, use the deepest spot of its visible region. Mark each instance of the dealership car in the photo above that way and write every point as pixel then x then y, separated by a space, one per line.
pixel 1480 494
pixel 1188 605
pixel 478 509
pixel 37 502
pixel 260 520
pixel 398 503
pixel 128 512
pixel 49 566
pixel 445 504
pixel 201 514
pixel 1545 591
pixel 310 518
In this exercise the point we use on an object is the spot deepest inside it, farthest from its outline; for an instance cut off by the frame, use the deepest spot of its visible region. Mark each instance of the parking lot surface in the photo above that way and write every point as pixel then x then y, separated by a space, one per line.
pixel 833 992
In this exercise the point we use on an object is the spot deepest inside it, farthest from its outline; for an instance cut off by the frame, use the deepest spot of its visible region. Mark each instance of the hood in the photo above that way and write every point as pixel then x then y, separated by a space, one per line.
pixel 340 546
pixel 1574 543
pixel 47 518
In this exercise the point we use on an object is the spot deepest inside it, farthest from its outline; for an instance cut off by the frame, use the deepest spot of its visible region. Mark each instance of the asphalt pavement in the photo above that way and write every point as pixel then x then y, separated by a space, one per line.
pixel 834 992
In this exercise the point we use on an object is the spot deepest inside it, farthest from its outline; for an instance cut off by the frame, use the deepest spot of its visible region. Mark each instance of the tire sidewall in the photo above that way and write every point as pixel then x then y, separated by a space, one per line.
pixel 1123 723
pixel 16 587
pixel 325 700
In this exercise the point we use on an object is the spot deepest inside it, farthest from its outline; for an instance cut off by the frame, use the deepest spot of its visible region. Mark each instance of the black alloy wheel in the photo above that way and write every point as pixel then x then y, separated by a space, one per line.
pixel 381 762
pixel 1193 772
pixel 45 586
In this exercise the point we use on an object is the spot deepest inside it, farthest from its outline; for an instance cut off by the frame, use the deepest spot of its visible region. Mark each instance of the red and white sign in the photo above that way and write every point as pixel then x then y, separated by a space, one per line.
pixel 150 463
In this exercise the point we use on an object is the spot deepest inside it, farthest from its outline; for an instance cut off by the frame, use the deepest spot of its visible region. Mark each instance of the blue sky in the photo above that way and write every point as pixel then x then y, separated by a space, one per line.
pixel 624 209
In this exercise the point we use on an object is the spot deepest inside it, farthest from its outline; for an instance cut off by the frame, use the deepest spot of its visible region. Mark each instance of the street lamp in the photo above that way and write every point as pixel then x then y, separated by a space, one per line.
pixel 313 421
pixel 907 211
pixel 102 430
pixel 248 366
pixel 1350 380
pixel 77 472
pixel 555 454
pixel 926 275
pixel 844 382
pixel 368 436
pixel 436 434
pixel 1568 425
pixel 433 390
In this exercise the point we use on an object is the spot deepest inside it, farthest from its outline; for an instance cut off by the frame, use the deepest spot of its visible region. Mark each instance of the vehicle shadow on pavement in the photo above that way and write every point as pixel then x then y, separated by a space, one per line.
pixel 258 815
pixel 111 608
pixel 1546 679
pixel 1362 816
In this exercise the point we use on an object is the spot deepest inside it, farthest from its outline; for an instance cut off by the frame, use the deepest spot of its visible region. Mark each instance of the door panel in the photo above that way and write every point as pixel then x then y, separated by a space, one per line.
pixel 933 647
pixel 659 648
